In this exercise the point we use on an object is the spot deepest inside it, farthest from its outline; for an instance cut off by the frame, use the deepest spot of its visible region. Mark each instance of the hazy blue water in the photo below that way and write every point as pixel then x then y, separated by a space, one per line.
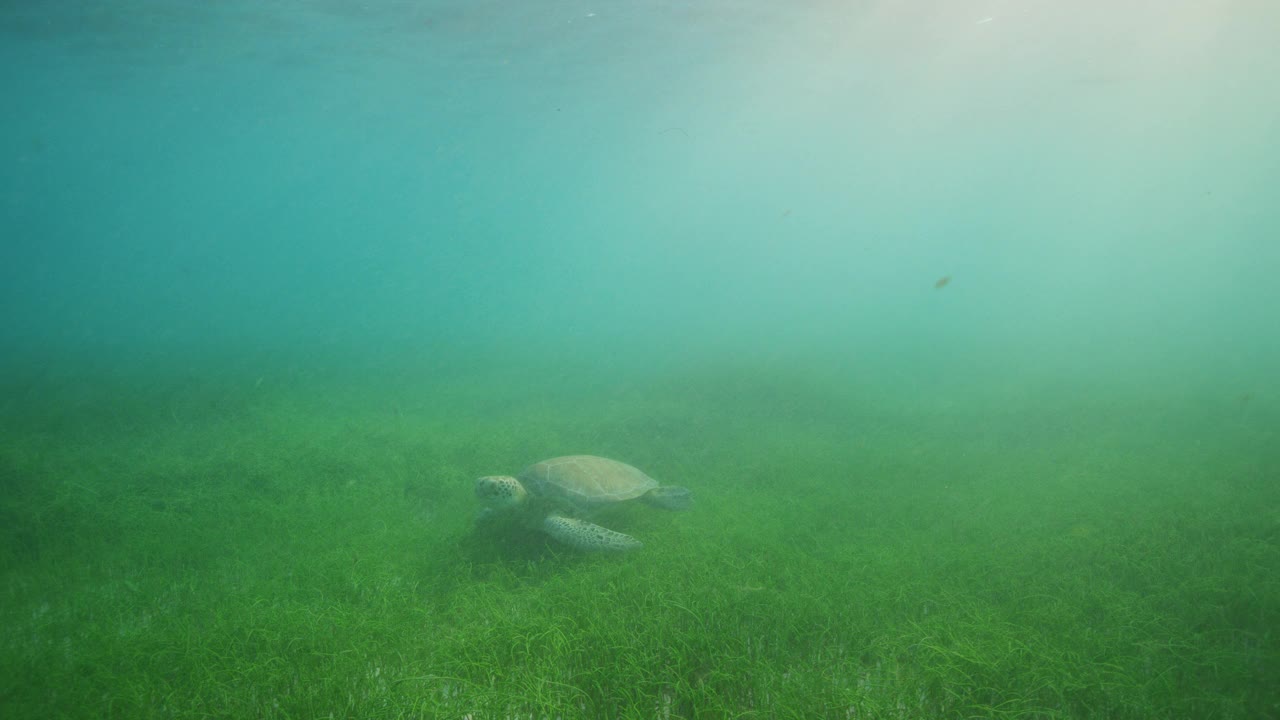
pixel 1098 179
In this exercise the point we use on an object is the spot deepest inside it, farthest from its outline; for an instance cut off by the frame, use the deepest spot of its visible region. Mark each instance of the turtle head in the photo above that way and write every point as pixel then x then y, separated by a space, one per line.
pixel 500 492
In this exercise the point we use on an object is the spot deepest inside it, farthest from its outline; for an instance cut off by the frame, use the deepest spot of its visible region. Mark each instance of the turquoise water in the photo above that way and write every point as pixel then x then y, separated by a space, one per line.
pixel 958 320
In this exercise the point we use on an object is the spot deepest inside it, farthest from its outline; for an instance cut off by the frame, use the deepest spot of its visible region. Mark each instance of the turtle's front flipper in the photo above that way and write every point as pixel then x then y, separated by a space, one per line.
pixel 582 535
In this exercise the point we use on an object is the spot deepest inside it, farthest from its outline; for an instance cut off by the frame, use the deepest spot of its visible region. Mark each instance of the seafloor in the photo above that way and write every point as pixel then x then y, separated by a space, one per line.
pixel 289 540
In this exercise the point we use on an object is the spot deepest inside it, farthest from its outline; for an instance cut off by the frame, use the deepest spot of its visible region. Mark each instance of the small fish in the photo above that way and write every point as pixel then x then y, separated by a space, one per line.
pixel 942 282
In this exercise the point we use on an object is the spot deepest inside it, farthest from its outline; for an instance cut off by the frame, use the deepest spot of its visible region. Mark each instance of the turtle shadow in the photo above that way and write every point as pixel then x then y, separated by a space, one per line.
pixel 515 552
pixel 502 543
pixel 506 539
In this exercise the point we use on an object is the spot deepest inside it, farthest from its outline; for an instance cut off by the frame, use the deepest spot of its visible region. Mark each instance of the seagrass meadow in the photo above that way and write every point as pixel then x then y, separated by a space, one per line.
pixel 293 540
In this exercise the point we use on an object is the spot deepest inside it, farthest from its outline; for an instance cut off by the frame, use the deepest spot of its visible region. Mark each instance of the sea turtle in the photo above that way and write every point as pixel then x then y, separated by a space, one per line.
pixel 557 496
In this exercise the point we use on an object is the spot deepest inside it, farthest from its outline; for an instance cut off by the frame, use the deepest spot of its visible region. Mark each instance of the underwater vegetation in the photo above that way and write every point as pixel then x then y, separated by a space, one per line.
pixel 303 546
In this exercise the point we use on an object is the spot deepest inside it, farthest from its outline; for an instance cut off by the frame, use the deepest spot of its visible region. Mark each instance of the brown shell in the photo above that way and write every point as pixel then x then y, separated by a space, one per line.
pixel 585 480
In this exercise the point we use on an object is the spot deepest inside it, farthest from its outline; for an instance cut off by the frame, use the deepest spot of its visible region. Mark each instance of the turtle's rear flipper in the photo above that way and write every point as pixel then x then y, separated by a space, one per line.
pixel 669 498
pixel 582 535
